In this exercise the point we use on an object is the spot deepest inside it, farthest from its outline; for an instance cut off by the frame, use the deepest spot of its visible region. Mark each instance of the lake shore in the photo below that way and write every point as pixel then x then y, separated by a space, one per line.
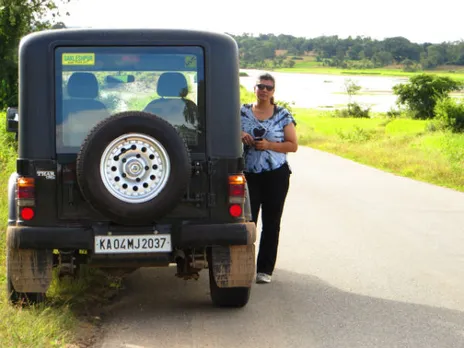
pixel 327 91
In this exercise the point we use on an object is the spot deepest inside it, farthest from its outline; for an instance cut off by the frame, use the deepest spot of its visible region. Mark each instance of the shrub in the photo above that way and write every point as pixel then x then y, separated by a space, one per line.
pixel 356 135
pixel 394 113
pixel 450 115
pixel 422 92
pixel 353 110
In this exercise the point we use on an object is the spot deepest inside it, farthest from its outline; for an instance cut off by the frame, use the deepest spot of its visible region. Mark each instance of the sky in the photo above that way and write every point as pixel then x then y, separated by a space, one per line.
pixel 413 19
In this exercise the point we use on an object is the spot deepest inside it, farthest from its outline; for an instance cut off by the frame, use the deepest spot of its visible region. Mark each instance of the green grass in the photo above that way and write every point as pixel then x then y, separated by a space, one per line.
pixel 401 146
pixel 246 96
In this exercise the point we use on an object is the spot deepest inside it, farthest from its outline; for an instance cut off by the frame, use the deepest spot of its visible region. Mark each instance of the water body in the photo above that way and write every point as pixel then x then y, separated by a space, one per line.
pixel 325 91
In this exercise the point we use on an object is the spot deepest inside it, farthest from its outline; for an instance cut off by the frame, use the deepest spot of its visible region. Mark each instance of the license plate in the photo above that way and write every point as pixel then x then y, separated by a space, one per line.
pixel 133 244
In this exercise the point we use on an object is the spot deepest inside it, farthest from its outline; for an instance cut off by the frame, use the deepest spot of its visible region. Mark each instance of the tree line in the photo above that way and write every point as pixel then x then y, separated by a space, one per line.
pixel 358 52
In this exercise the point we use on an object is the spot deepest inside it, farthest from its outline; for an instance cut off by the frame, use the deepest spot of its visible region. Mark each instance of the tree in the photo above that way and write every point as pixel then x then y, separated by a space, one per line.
pixel 351 89
pixel 408 65
pixel 436 55
pixel 19 18
pixel 59 25
pixel 421 93
pixel 401 48
pixel 382 58
pixel 354 51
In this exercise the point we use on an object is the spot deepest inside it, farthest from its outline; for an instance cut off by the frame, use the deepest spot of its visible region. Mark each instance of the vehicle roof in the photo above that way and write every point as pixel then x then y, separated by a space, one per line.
pixel 127 35
pixel 37 69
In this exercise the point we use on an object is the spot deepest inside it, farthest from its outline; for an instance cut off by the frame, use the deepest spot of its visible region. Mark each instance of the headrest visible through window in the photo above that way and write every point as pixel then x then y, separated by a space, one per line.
pixel 83 85
pixel 172 84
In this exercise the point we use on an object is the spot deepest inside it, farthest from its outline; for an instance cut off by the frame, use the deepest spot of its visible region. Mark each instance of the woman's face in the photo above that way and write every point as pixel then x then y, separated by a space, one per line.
pixel 264 90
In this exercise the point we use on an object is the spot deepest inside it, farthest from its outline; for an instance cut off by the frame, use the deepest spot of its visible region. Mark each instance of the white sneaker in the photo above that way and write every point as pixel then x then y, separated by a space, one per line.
pixel 262 278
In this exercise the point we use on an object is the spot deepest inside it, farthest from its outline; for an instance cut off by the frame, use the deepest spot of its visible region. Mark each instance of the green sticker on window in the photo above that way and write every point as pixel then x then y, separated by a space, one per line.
pixel 190 61
pixel 78 59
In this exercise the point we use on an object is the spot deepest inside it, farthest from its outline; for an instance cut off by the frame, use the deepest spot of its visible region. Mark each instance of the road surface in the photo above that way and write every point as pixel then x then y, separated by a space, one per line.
pixel 366 259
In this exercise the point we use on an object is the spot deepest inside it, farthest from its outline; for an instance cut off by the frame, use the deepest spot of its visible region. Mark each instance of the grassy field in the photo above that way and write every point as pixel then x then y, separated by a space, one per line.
pixel 401 146
pixel 310 66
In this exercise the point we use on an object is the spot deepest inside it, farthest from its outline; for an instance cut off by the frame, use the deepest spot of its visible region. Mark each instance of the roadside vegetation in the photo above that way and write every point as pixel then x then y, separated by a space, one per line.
pixel 403 146
pixel 33 327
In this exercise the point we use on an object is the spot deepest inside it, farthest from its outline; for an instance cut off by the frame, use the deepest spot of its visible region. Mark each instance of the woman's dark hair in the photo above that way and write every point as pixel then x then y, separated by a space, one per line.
pixel 268 77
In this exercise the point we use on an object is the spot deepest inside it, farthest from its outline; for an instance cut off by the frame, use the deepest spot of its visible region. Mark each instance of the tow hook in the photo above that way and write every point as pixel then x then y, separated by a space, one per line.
pixel 187 266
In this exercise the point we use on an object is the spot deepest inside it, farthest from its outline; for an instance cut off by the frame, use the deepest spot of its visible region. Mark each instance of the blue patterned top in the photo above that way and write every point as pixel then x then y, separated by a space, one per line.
pixel 271 129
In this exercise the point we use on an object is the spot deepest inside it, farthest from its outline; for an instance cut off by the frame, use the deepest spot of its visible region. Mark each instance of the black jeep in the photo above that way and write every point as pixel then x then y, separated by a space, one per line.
pixel 129 156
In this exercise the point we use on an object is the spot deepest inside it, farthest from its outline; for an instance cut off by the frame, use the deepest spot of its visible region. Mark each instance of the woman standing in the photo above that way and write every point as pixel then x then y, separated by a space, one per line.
pixel 268 133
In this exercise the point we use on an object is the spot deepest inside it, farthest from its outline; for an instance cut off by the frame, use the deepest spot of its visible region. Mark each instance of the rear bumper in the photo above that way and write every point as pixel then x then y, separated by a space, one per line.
pixel 28 237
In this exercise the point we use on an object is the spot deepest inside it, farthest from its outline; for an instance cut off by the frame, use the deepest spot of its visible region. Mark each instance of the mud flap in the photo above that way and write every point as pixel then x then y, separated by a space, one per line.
pixel 30 270
pixel 233 266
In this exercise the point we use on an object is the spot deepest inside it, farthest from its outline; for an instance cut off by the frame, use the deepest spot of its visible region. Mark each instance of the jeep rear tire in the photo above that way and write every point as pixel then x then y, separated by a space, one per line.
pixel 133 168
pixel 226 297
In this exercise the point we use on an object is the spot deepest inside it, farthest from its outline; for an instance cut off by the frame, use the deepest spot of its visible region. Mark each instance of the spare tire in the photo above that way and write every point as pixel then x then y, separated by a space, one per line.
pixel 133 168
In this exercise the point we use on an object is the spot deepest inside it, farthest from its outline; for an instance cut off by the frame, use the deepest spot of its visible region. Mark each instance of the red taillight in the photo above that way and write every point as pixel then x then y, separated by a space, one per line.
pixel 237 190
pixel 235 210
pixel 25 191
pixel 236 194
pixel 27 213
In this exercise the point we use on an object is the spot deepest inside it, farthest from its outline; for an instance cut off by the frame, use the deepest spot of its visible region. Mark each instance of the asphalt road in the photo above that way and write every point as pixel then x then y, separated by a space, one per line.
pixel 366 259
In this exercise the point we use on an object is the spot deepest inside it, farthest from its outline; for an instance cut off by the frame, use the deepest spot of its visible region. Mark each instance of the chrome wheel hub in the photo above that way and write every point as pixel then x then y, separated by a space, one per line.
pixel 135 168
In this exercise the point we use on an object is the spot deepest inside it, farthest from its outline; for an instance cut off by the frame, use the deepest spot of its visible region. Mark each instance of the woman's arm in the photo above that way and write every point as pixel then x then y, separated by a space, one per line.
pixel 290 143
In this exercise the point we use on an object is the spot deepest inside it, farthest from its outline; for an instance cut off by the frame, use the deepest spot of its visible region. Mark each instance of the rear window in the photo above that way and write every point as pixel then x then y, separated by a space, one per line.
pixel 94 83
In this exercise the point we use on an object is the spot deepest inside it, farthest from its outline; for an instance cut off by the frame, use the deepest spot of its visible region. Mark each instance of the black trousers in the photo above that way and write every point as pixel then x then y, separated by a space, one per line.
pixel 268 191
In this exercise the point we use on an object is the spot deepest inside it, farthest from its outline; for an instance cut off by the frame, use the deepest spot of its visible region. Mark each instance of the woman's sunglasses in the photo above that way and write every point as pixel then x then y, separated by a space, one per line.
pixel 262 86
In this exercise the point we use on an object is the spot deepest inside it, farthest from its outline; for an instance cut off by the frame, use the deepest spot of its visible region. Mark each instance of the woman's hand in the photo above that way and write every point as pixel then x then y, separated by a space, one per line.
pixel 247 139
pixel 290 143
pixel 262 145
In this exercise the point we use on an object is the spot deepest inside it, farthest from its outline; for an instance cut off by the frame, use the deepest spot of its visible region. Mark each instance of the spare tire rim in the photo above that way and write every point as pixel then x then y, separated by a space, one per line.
pixel 135 168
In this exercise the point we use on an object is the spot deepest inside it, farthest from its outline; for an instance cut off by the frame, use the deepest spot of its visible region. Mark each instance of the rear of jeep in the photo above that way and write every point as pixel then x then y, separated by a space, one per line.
pixel 129 156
